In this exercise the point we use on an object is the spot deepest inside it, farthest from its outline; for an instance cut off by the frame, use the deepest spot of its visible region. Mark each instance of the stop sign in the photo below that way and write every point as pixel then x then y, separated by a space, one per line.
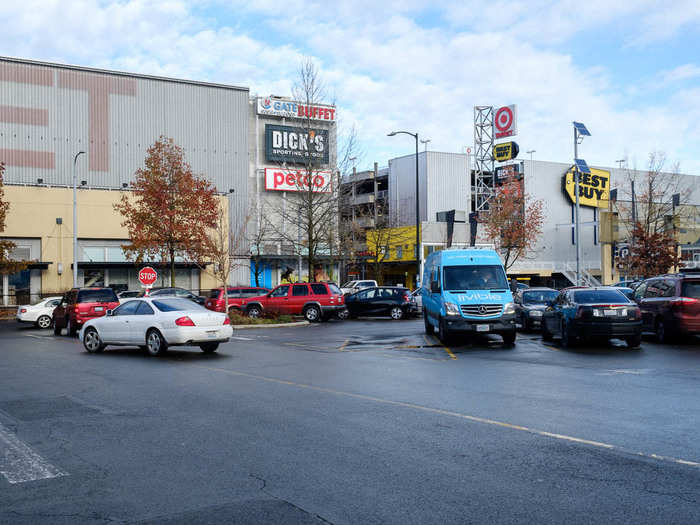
pixel 147 276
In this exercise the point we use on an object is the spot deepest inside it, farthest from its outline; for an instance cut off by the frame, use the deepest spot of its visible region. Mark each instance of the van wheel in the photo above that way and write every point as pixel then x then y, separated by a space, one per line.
pixel 155 344
pixel 429 328
pixel 443 332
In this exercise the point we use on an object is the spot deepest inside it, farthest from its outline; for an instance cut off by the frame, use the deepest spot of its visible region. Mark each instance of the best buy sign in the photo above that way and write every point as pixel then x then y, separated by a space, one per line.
pixel 593 188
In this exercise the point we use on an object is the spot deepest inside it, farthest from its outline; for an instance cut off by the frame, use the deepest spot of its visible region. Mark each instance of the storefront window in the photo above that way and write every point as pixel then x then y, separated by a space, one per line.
pixel 93 254
pixel 94 277
pixel 18 287
pixel 116 254
pixel 118 279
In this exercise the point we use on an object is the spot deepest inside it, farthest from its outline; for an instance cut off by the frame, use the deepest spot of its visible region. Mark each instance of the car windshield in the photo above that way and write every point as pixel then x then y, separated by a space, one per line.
pixel 599 296
pixel 178 305
pixel 539 296
pixel 349 284
pixel 214 294
pixel 105 295
pixel 476 277
pixel 691 289
pixel 334 289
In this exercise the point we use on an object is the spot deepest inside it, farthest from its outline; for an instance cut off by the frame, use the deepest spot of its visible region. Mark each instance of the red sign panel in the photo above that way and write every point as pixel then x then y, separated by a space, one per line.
pixel 297 180
pixel 147 276
pixel 505 122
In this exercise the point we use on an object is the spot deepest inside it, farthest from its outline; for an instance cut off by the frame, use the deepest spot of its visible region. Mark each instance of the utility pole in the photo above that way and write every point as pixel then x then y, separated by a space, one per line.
pixel 75 221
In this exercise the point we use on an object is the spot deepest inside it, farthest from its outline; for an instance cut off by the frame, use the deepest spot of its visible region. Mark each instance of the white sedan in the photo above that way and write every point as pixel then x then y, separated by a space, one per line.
pixel 156 323
pixel 41 313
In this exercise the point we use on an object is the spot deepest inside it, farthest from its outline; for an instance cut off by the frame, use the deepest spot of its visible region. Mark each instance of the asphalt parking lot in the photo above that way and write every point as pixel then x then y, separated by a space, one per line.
pixel 367 421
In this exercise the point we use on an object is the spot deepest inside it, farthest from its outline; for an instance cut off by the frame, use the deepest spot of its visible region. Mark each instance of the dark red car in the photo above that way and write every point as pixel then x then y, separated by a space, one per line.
pixel 670 305
pixel 79 305
pixel 236 295
pixel 315 301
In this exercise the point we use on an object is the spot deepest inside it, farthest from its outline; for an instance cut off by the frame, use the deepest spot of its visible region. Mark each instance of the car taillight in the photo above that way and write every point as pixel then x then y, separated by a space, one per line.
pixel 407 298
pixel 23 311
pixel 681 301
pixel 227 320
pixel 184 321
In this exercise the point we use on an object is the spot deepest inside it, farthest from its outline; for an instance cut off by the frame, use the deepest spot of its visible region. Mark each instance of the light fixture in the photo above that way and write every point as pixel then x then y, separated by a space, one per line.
pixel 40 181
pixel 83 183
pixel 125 184
pixel 231 190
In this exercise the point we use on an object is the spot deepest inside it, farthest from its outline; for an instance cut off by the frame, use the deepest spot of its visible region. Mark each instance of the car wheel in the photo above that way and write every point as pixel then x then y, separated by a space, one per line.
pixel 567 340
pixel 396 313
pixel 634 341
pixel 343 314
pixel 312 314
pixel 43 322
pixel 546 334
pixel 209 348
pixel 429 328
pixel 155 344
pixel 92 341
pixel 508 338
pixel 254 311
pixel 71 330
pixel 660 332
pixel 443 332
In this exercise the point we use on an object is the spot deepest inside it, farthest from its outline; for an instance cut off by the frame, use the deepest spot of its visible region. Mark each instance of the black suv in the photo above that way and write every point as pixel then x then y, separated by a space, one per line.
pixel 670 305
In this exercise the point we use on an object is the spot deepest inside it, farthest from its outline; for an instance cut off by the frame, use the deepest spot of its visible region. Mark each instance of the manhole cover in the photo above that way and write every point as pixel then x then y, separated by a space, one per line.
pixel 34 409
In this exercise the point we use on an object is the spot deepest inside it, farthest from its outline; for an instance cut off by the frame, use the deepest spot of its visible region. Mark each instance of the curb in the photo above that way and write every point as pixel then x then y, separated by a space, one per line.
pixel 280 325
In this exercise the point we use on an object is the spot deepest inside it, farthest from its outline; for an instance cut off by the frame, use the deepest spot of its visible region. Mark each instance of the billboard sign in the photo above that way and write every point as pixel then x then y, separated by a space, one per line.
pixel 593 188
pixel 508 171
pixel 505 121
pixel 297 180
pixel 505 151
pixel 296 145
pixel 279 107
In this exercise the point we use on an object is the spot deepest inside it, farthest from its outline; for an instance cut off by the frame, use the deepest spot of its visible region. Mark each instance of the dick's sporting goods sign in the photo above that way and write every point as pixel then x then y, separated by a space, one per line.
pixel 296 145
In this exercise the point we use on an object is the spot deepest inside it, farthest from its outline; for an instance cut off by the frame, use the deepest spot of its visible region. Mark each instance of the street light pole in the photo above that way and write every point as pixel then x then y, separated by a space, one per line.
pixel 578 243
pixel 75 221
pixel 418 247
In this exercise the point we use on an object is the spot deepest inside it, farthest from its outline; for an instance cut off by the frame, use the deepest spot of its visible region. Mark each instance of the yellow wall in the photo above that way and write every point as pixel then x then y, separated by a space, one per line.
pixel 399 236
pixel 33 212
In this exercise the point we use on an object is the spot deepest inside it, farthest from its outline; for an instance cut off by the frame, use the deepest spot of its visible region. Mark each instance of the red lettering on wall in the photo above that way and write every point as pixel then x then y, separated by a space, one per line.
pixel 31 116
pixel 28 158
pixel 99 88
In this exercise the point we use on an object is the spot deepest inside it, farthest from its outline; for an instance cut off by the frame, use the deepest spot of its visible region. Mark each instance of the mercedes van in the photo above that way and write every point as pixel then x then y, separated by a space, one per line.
pixel 466 292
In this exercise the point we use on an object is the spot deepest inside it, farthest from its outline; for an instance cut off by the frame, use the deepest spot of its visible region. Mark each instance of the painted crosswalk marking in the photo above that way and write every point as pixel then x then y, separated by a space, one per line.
pixel 19 463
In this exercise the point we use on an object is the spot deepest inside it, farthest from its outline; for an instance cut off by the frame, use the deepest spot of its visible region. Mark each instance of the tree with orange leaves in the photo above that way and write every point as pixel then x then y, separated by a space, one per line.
pixel 7 263
pixel 170 209
pixel 513 221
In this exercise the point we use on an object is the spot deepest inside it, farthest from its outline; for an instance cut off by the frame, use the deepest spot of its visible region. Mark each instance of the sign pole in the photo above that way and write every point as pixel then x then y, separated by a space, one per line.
pixel 578 243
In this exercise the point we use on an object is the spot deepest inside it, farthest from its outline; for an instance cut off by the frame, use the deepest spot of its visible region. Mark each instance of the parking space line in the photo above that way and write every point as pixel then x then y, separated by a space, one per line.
pixel 342 347
pixel 19 463
pixel 449 413
pixel 449 352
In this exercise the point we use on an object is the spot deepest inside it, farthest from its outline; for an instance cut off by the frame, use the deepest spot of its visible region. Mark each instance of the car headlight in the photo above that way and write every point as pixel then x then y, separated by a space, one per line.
pixel 535 313
pixel 451 309
pixel 509 309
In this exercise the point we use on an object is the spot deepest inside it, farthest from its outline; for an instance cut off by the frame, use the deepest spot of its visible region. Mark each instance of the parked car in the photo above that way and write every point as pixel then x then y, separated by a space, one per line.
pixel 394 301
pixel 175 292
pixel 356 286
pixel 627 291
pixel 41 313
pixel 216 298
pixel 530 304
pixel 670 305
pixel 580 313
pixel 155 323
pixel 315 301
pixel 128 294
pixel 418 296
pixel 466 291
pixel 627 284
pixel 79 305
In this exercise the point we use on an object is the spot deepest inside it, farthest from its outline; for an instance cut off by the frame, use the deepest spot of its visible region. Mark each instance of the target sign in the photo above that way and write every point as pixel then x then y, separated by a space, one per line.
pixel 505 121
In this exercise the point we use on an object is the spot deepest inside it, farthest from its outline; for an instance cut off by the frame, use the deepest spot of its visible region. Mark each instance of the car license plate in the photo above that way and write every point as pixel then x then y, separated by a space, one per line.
pixel 211 334
pixel 610 313
pixel 482 328
pixel 99 308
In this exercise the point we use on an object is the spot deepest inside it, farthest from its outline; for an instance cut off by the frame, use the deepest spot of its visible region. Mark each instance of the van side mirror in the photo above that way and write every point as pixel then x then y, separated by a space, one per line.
pixel 435 286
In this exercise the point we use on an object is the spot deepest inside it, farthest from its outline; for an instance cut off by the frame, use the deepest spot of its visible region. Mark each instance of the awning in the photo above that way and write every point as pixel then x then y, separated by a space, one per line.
pixel 131 264
pixel 39 265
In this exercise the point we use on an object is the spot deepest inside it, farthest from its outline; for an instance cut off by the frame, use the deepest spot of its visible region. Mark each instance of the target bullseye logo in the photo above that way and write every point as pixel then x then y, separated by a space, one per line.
pixel 504 121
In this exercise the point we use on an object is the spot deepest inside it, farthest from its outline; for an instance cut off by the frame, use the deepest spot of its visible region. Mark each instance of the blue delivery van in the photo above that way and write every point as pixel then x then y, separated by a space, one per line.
pixel 466 292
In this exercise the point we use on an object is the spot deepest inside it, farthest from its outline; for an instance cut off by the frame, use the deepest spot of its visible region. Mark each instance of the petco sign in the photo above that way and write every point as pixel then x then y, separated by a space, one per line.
pixel 289 109
pixel 297 180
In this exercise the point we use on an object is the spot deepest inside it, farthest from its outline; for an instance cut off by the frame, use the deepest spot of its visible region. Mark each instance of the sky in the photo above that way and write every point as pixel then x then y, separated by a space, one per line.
pixel 628 69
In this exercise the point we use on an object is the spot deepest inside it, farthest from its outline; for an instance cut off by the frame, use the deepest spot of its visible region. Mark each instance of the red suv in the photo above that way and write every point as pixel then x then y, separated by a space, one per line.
pixel 216 299
pixel 79 305
pixel 315 301
pixel 670 305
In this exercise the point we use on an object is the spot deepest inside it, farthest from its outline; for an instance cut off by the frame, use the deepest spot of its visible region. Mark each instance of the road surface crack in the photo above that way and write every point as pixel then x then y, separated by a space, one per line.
pixel 268 493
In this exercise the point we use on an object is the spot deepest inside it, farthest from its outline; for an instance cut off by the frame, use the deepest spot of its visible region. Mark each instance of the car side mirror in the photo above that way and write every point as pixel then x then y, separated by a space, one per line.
pixel 109 313
pixel 435 286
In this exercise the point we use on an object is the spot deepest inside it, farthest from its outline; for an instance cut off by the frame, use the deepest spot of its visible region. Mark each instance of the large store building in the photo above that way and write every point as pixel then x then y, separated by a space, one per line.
pixel 49 113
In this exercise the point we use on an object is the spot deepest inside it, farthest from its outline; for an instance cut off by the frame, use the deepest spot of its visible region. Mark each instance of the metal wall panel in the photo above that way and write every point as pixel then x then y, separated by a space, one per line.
pixel 50 112
pixel 448 183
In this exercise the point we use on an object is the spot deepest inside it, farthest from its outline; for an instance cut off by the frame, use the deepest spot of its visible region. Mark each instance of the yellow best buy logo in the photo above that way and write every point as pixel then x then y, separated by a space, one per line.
pixel 593 188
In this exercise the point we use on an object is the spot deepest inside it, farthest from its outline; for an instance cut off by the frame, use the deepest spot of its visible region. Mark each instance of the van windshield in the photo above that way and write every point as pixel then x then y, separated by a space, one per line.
pixel 477 277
